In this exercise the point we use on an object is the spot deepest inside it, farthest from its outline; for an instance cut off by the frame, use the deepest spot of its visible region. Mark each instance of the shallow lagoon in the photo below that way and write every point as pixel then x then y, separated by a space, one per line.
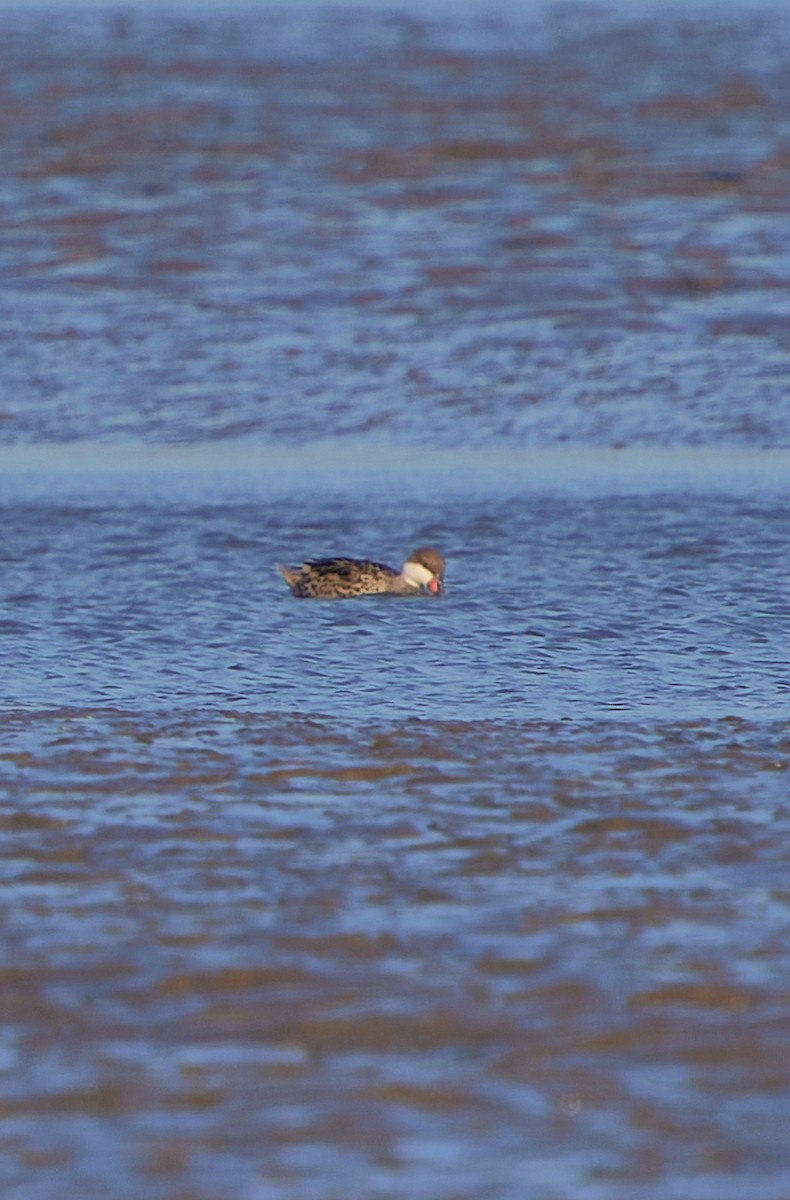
pixel 477 897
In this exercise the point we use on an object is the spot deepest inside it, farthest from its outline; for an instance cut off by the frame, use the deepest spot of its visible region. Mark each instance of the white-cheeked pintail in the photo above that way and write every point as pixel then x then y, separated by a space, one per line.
pixel 341 578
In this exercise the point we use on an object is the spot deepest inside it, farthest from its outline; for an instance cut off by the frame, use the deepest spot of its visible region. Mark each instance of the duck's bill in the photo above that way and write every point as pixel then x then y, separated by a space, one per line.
pixel 435 586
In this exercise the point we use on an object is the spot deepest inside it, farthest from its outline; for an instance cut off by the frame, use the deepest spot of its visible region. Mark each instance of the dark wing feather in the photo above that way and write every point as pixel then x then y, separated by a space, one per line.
pixel 348 568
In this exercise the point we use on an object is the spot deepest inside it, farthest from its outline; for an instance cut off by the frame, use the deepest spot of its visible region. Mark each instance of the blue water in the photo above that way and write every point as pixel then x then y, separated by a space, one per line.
pixel 588 585
pixel 473 898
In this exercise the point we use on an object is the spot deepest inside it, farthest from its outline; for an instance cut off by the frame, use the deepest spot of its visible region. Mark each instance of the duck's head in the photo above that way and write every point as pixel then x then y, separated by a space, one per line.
pixel 424 568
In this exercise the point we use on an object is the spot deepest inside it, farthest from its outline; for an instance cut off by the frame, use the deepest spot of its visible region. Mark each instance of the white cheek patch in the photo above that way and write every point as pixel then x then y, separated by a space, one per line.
pixel 417 574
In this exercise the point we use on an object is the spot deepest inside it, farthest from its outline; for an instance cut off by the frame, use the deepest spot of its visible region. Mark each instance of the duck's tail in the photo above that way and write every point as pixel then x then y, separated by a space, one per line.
pixel 289 575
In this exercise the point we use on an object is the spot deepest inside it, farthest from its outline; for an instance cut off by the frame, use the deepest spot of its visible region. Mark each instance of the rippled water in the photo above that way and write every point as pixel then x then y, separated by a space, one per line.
pixel 585 587
pixel 281 956
pixel 445 232
pixel 474 897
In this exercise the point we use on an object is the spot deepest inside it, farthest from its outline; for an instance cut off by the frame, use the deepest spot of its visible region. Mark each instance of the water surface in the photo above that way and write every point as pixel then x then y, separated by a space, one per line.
pixel 475 898
pixel 650 585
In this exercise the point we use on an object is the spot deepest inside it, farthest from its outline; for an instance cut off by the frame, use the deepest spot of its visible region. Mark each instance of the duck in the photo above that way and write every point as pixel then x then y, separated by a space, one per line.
pixel 341 578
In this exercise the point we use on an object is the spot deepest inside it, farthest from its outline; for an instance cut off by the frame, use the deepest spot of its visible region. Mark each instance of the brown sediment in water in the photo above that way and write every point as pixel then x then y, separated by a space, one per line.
pixel 333 919
pixel 248 952
pixel 569 175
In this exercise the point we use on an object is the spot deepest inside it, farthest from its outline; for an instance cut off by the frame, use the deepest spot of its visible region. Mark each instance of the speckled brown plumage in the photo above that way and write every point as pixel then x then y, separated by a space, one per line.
pixel 342 578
